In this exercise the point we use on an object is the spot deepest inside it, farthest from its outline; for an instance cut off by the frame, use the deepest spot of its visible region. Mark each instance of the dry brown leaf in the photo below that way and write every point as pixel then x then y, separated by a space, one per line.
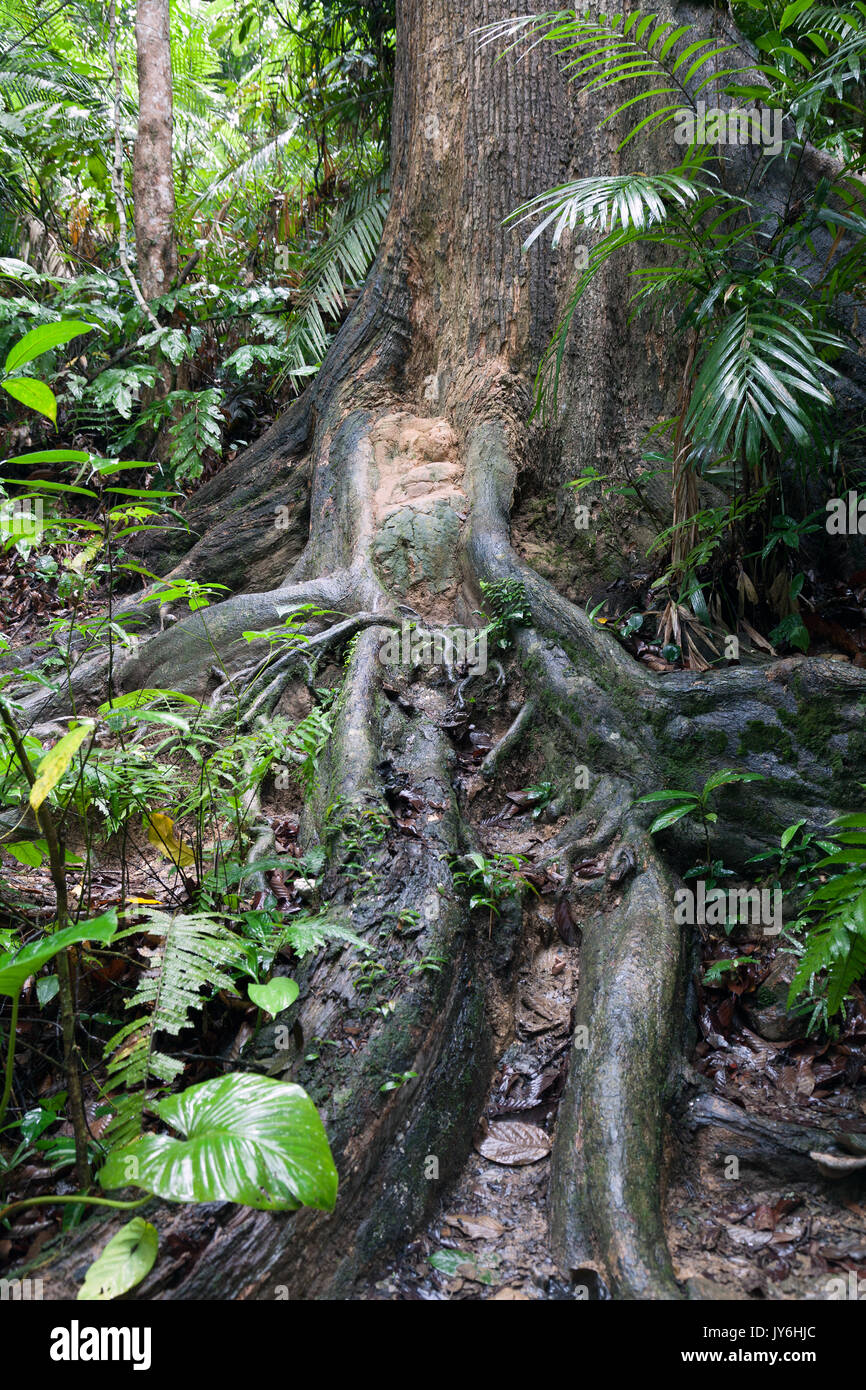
pixel 476 1227
pixel 513 1142
pixel 756 637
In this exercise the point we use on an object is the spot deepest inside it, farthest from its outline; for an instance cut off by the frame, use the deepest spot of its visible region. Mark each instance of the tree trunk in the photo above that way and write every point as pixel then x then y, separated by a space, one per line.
pixel 400 465
pixel 152 172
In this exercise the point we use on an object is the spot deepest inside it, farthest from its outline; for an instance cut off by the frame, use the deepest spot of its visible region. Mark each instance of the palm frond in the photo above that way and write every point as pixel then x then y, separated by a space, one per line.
pixel 760 376
pixel 675 66
pixel 609 203
pixel 340 263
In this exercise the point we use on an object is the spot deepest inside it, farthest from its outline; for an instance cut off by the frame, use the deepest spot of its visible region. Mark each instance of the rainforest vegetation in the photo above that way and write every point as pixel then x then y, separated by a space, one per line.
pixel 432 650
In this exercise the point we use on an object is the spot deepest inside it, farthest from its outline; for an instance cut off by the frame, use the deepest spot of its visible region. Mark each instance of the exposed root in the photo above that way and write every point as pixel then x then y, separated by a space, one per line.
pixel 509 740
pixel 607 1157
pixel 622 723
pixel 393 1151
pixel 776 1147
pixel 595 825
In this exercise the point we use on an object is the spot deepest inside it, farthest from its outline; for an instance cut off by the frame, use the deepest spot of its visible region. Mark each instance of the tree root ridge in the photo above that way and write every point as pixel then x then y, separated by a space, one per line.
pixel 394 1150
pixel 607 1157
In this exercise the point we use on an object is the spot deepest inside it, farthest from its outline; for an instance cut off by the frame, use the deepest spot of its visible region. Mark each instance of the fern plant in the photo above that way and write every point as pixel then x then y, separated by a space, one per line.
pixel 196 954
pixel 832 958
pixel 340 263
pixel 304 744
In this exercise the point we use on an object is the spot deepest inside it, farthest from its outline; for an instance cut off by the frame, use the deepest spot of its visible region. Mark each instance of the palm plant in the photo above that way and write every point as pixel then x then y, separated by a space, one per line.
pixel 759 310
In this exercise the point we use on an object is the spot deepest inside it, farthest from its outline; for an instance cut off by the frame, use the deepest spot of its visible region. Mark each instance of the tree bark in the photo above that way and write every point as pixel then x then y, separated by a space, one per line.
pixel 152 172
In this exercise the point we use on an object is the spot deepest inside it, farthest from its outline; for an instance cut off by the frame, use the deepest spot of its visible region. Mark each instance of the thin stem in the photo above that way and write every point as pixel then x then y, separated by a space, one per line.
pixel 57 866
pixel 117 182
pixel 10 1055
pixel 52 1200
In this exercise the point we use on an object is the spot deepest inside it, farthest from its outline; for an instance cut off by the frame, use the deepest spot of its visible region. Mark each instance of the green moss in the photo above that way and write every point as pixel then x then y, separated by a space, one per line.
pixel 686 762
pixel 759 737
pixel 812 725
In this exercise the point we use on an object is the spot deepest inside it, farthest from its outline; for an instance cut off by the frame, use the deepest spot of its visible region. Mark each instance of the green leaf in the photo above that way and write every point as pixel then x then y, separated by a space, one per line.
pixel 247 1139
pixel 51 456
pixel 449 1261
pixel 670 817
pixel 34 394
pixel 43 486
pixel 43 339
pixel 845 856
pixel 17 966
pixel 47 987
pixel 667 796
pixel 124 1262
pixel 134 698
pixel 52 767
pixel 154 716
pixel 725 776
pixel 793 11
pixel 792 630
pixel 26 852
pixel 276 995
pixel 718 968
pixel 788 835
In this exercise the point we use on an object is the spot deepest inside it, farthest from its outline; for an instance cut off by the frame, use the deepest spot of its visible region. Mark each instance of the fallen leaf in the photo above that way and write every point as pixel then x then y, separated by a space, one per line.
pixel 476 1227
pixel 161 834
pixel 514 1142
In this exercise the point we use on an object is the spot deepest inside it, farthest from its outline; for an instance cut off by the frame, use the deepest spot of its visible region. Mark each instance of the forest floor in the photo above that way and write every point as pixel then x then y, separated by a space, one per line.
pixel 771 1224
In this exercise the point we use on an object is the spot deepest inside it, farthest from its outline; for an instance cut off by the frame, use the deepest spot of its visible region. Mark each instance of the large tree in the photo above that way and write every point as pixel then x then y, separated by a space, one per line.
pixel 152 172
pixel 389 483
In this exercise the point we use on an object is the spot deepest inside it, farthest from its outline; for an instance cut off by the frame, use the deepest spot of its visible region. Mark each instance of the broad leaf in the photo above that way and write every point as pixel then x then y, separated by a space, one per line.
pixel 133 699
pixel 276 995
pixel 247 1139
pixel 26 852
pixel 670 817
pixel 725 776
pixel 52 767
pixel 43 339
pixel 124 1262
pixel 34 394
pixel 162 835
pixel 17 966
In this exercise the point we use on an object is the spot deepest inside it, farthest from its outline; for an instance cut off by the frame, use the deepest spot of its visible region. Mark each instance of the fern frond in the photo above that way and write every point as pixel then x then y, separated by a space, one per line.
pixel 833 958
pixel 308 934
pixel 196 954
pixel 306 740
